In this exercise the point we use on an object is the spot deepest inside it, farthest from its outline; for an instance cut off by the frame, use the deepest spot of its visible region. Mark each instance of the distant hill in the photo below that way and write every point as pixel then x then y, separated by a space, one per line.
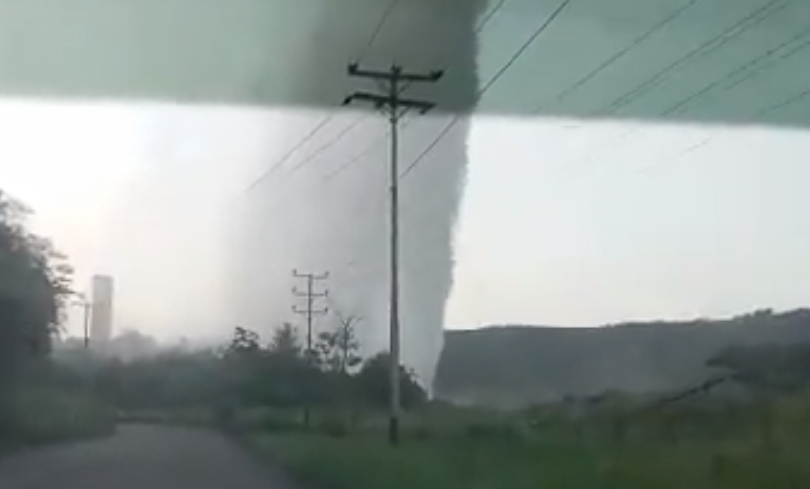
pixel 515 365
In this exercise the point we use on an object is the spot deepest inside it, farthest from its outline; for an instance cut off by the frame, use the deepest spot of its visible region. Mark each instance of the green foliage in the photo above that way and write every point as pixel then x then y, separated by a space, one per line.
pixel 375 386
pixel 771 368
pixel 34 289
pixel 45 415
pixel 707 444
pixel 285 342
pixel 246 375
pixel 337 350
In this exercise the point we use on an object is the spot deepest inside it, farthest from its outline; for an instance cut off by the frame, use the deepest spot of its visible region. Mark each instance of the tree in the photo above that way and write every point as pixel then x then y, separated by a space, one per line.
pixel 373 383
pixel 34 288
pixel 285 342
pixel 767 368
pixel 338 350
pixel 244 341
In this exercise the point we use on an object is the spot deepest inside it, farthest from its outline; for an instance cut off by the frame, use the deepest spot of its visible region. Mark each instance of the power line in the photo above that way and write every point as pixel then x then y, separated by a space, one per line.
pixel 740 27
pixel 626 50
pixel 389 10
pixel 785 103
pixel 318 127
pixel 363 154
pixel 512 60
pixel 741 69
pixel 439 137
pixel 311 134
pixel 329 144
pixel 326 146
pixel 751 75
pixel 486 19
pixel 752 19
pixel 704 142
pixel 525 47
pixel 490 15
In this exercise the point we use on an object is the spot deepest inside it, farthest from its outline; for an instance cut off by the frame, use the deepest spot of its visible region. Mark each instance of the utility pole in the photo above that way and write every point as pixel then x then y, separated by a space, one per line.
pixel 87 306
pixel 395 81
pixel 86 311
pixel 309 312
pixel 310 295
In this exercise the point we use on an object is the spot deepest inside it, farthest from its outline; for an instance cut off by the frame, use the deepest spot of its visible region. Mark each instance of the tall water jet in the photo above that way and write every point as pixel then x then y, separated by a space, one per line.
pixel 327 211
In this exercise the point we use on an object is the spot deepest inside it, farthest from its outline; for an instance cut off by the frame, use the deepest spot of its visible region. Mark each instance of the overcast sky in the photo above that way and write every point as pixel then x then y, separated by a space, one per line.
pixel 563 223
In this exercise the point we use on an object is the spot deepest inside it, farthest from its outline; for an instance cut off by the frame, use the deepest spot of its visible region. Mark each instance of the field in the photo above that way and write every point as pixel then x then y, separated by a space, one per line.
pixel 705 445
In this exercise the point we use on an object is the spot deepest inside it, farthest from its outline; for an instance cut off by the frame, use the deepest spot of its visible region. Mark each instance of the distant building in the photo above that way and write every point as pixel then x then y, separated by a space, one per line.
pixel 101 317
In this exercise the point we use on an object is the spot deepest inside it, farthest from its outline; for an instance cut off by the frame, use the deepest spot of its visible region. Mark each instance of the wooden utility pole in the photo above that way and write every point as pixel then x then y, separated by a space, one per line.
pixel 395 80
pixel 309 311
pixel 87 308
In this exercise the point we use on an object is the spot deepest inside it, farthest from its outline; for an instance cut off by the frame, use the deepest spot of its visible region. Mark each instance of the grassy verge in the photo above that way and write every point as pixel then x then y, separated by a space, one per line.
pixel 463 451
pixel 41 416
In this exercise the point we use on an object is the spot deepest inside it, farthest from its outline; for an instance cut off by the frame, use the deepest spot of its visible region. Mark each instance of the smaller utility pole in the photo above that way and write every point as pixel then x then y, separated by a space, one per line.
pixel 310 295
pixel 395 81
pixel 309 311
pixel 87 308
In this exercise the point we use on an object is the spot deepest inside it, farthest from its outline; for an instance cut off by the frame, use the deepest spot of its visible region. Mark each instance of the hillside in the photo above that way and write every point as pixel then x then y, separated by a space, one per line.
pixel 513 365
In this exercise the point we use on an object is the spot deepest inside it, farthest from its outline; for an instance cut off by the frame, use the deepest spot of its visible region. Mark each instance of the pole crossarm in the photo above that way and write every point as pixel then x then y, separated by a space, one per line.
pixel 381 101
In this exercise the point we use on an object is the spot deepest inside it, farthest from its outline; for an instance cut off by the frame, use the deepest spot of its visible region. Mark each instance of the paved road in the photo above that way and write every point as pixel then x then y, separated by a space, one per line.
pixel 141 457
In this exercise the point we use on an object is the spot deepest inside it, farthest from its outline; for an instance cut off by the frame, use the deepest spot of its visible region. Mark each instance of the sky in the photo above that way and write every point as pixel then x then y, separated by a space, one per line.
pixel 563 222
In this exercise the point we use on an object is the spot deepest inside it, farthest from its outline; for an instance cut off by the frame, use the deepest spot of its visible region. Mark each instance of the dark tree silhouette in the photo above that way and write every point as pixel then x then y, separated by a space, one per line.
pixel 34 289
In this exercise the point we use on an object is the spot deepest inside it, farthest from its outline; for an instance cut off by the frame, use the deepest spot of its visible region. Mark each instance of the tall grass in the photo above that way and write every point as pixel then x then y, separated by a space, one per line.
pixel 701 445
pixel 47 415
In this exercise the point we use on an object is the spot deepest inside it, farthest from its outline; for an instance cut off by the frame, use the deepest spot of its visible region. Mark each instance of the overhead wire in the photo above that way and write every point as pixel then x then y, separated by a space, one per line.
pixel 749 69
pixel 498 75
pixel 328 118
pixel 752 19
pixel 667 20
pixel 363 154
pixel 741 69
pixel 788 101
pixel 289 154
pixel 386 16
pixel 755 17
pixel 329 144
pixel 485 20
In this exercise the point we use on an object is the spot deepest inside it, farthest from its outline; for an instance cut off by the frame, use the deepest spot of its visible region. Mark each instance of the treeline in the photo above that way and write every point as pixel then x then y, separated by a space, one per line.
pixel 34 293
pixel 247 372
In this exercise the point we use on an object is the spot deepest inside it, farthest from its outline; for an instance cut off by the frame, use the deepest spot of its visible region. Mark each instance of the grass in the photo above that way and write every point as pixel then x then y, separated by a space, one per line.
pixel 706 446
pixel 48 415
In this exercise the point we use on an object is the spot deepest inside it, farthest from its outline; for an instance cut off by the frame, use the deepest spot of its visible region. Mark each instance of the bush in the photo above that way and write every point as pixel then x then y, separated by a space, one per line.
pixel 47 415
